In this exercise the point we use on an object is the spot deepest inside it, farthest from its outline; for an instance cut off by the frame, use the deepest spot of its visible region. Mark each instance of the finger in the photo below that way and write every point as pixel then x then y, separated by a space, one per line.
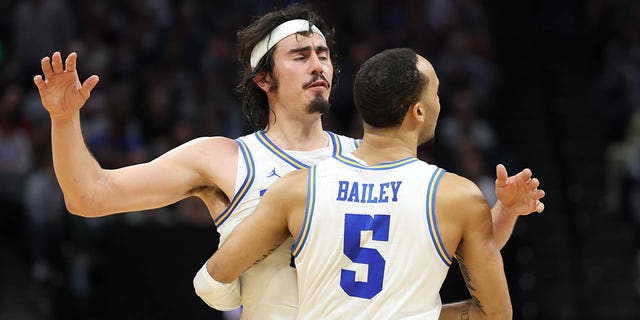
pixel 524 175
pixel 37 80
pixel 539 207
pixel 70 62
pixel 88 85
pixel 501 175
pixel 533 183
pixel 57 62
pixel 46 67
pixel 538 194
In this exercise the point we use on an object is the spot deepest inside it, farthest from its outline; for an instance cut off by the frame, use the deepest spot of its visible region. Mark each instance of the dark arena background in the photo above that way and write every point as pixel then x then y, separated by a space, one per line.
pixel 553 85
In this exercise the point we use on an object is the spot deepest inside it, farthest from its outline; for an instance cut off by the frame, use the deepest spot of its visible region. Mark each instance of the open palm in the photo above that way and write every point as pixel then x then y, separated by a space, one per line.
pixel 61 92
pixel 519 193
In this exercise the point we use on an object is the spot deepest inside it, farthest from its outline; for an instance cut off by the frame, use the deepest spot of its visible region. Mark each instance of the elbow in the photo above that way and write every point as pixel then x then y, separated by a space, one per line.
pixel 81 209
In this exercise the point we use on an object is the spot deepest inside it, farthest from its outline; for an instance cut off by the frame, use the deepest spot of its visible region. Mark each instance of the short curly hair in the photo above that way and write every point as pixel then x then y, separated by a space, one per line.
pixel 387 85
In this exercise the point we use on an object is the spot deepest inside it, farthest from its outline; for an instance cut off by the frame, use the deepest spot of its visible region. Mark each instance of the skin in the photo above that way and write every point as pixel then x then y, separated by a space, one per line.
pixel 205 167
pixel 463 216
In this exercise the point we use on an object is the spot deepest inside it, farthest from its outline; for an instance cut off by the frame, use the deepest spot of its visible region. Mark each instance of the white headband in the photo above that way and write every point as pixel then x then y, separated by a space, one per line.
pixel 278 33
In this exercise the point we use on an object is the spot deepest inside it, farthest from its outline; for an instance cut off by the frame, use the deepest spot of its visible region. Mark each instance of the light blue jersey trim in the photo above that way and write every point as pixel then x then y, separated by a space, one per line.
pixel 431 217
pixel 248 180
pixel 278 152
pixel 308 215
pixel 380 166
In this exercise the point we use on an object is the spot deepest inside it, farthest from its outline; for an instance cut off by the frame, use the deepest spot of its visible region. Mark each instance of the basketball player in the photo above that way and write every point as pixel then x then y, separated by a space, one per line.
pixel 376 230
pixel 229 175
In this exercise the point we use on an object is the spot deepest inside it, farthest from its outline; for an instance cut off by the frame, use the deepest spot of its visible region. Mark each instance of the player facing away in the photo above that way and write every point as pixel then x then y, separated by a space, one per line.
pixel 285 92
pixel 376 230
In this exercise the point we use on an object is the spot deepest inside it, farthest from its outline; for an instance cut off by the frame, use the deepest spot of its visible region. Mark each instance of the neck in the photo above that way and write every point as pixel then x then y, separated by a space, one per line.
pixel 384 145
pixel 297 134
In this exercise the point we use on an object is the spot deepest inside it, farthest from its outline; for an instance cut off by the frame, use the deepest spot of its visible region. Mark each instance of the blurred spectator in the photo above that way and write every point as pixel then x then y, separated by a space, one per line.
pixel 463 123
pixel 16 158
pixel 39 27
pixel 470 163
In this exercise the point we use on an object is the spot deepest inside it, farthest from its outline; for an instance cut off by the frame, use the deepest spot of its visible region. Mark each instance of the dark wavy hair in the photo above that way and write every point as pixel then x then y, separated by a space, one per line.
pixel 254 101
pixel 387 85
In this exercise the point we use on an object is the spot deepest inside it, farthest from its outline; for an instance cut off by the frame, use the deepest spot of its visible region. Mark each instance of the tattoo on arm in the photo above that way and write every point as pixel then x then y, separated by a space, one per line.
pixel 465 311
pixel 267 254
pixel 467 280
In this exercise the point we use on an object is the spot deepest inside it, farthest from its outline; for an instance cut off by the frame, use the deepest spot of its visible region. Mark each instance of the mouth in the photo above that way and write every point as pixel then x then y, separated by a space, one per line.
pixel 318 81
pixel 316 84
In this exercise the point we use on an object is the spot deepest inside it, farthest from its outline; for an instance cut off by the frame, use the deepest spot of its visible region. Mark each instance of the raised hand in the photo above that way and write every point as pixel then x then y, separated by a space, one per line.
pixel 61 92
pixel 519 194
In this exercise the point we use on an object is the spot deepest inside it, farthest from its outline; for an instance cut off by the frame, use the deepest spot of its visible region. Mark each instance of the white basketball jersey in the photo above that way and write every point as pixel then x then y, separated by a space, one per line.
pixel 269 288
pixel 369 247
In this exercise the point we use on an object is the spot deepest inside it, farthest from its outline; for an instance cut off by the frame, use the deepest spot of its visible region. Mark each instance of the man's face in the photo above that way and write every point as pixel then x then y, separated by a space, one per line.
pixel 303 71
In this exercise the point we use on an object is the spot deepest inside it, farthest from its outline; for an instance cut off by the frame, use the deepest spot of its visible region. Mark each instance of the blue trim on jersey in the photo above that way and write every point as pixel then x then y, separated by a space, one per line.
pixel 357 142
pixel 431 217
pixel 337 146
pixel 248 180
pixel 278 152
pixel 308 215
pixel 379 166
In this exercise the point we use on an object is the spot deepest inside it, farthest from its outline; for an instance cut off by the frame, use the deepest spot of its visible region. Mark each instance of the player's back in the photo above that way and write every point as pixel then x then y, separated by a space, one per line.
pixel 369 246
pixel 268 288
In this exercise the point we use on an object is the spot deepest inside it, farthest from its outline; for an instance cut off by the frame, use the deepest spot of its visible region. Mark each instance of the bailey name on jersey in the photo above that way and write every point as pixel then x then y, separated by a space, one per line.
pixel 352 191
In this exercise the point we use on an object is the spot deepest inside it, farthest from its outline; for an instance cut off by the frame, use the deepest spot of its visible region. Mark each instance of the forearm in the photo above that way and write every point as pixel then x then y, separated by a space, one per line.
pixel 469 310
pixel 76 169
pixel 503 223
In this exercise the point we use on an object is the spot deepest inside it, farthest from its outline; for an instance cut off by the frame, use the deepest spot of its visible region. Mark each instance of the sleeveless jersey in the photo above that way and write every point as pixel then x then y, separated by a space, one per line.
pixel 269 288
pixel 369 247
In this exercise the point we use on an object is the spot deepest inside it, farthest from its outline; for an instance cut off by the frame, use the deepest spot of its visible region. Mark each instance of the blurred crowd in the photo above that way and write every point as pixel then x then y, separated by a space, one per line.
pixel 168 70
pixel 618 92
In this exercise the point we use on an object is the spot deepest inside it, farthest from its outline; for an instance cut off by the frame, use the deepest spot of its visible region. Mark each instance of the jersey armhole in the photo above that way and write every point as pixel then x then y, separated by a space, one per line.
pixel 308 213
pixel 249 166
pixel 431 217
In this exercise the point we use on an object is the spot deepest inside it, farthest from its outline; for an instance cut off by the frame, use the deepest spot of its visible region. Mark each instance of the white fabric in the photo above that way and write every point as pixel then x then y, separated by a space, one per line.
pixel 218 295
pixel 406 266
pixel 269 288
pixel 278 33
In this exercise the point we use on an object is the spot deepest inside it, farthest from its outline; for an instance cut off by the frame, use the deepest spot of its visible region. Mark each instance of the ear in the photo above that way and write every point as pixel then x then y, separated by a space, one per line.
pixel 263 80
pixel 417 111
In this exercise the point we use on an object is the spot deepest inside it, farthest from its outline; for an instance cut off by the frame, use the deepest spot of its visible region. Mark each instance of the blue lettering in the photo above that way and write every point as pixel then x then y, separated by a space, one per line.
pixel 383 193
pixel 395 186
pixel 353 196
pixel 371 198
pixel 343 187
pixel 363 198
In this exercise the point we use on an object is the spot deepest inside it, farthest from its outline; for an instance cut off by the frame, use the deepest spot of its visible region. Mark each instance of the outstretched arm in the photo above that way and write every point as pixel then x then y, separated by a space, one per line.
pixel 90 190
pixel 517 195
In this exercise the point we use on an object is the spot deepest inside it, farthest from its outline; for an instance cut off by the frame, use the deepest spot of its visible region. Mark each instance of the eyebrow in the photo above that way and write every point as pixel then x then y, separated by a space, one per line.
pixel 309 48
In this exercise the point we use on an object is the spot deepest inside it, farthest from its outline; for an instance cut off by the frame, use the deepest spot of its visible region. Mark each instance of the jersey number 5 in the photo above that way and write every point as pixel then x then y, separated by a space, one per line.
pixel 354 224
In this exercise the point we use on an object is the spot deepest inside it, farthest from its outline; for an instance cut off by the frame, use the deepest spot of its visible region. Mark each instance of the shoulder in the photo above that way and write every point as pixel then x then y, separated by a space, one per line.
pixel 216 145
pixel 461 199
pixel 291 185
pixel 214 159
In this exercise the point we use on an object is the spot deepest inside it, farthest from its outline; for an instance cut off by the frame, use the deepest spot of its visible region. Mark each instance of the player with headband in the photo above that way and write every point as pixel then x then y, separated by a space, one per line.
pixel 284 92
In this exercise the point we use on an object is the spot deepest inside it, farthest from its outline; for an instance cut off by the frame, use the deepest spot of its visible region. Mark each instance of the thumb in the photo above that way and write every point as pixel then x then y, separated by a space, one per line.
pixel 88 85
pixel 501 175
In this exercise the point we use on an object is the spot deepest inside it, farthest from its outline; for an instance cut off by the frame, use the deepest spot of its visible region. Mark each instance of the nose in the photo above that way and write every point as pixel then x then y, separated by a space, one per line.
pixel 315 64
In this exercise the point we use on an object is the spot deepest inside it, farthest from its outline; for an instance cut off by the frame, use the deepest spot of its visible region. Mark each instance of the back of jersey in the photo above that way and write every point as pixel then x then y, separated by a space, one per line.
pixel 369 247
